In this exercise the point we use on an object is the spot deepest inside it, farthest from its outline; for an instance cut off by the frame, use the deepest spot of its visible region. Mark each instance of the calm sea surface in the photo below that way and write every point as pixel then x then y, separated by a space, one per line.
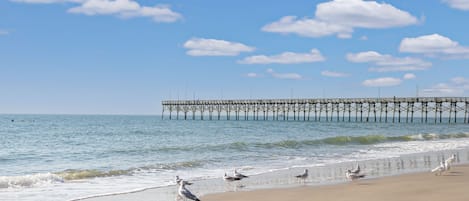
pixel 64 157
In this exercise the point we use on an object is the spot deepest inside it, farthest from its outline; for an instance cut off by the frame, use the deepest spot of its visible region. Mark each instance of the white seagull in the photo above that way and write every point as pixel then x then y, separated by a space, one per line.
pixel 239 175
pixel 356 170
pixel 352 176
pixel 184 193
pixel 230 178
pixel 303 176
pixel 441 168
pixel 450 160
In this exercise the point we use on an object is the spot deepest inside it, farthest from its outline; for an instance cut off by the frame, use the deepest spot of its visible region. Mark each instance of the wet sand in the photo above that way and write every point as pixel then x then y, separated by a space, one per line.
pixel 451 186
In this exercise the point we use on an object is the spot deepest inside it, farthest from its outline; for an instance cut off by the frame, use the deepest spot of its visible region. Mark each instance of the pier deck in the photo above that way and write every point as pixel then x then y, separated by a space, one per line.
pixel 394 109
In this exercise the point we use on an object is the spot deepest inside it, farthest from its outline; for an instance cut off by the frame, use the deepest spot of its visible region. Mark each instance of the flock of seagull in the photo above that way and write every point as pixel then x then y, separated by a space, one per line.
pixel 350 174
pixel 184 193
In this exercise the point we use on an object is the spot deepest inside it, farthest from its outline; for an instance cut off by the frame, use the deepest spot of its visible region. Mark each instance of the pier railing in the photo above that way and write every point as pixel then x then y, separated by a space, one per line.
pixel 392 109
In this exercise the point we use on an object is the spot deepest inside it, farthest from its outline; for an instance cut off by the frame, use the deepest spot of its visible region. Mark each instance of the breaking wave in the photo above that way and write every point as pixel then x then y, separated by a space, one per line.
pixel 72 174
pixel 359 140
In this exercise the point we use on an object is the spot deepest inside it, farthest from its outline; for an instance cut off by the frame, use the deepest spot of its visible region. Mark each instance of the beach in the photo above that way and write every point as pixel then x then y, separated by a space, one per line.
pixel 120 158
pixel 424 186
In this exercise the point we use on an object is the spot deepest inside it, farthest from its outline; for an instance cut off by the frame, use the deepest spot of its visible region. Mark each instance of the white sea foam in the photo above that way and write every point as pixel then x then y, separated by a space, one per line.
pixel 29 180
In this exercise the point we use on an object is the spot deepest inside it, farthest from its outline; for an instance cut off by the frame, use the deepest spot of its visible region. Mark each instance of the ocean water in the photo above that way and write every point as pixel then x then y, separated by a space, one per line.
pixel 67 157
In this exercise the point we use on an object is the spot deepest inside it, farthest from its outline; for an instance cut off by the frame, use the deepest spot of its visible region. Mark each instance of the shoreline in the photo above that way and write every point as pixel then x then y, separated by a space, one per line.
pixel 424 186
pixel 320 177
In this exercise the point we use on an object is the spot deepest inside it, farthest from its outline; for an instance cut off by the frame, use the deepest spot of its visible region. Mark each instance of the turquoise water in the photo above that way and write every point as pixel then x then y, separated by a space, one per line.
pixel 64 157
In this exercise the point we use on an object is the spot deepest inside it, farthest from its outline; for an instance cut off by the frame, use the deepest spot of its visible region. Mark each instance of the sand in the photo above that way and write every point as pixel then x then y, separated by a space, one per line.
pixel 451 186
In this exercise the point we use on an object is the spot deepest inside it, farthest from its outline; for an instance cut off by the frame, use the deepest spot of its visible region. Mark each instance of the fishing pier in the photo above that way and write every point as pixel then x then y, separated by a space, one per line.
pixel 393 109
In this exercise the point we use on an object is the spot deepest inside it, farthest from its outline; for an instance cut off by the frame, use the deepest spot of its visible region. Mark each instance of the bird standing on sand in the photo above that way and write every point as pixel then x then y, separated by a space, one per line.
pixel 239 175
pixel 353 176
pixel 184 193
pixel 303 176
pixel 441 168
pixel 449 161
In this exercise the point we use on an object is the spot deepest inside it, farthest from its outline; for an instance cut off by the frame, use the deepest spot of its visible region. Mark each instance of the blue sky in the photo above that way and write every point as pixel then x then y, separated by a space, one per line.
pixel 126 56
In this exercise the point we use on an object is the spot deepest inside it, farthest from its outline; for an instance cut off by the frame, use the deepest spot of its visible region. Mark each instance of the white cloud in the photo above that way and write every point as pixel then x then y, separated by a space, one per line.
pixel 307 27
pixel 253 75
pixel 443 89
pixel 388 63
pixel 289 76
pixel 47 1
pixel 120 8
pixel 126 9
pixel 382 82
pixel 434 45
pixel 364 38
pixel 340 17
pixel 285 58
pixel 457 86
pixel 334 74
pixel 4 32
pixel 460 81
pixel 458 4
pixel 363 14
pixel 213 47
pixel 409 76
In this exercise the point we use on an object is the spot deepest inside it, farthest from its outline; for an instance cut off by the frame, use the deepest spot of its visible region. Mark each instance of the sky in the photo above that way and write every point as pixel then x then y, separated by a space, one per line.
pixel 126 56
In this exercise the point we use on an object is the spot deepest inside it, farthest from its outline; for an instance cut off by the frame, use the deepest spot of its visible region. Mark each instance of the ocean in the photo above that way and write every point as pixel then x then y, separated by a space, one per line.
pixel 69 157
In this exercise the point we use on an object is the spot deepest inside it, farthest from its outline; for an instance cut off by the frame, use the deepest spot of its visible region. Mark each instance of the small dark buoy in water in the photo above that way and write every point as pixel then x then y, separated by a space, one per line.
pixel 12 120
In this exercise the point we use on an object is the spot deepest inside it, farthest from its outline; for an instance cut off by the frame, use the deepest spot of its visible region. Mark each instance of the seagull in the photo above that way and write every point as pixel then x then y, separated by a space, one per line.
pixel 230 178
pixel 352 176
pixel 357 170
pixel 239 175
pixel 184 193
pixel 441 168
pixel 451 159
pixel 303 176
pixel 178 180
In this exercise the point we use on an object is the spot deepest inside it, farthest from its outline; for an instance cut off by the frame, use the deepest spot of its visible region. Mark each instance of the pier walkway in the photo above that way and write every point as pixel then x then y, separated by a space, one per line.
pixel 394 109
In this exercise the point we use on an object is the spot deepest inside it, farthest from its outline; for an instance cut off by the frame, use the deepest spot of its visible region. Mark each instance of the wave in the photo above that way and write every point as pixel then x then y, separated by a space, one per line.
pixel 76 174
pixel 359 140
pixel 29 180
pixel 336 141
pixel 69 175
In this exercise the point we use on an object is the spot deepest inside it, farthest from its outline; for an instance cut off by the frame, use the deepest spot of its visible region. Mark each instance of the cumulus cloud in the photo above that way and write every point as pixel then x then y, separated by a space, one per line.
pixel 340 17
pixel 214 47
pixel 382 82
pixel 434 45
pixel 334 74
pixel 120 8
pixel 456 86
pixel 409 76
pixel 307 27
pixel 388 63
pixel 289 76
pixel 363 14
pixel 126 9
pixel 458 4
pixel 285 58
